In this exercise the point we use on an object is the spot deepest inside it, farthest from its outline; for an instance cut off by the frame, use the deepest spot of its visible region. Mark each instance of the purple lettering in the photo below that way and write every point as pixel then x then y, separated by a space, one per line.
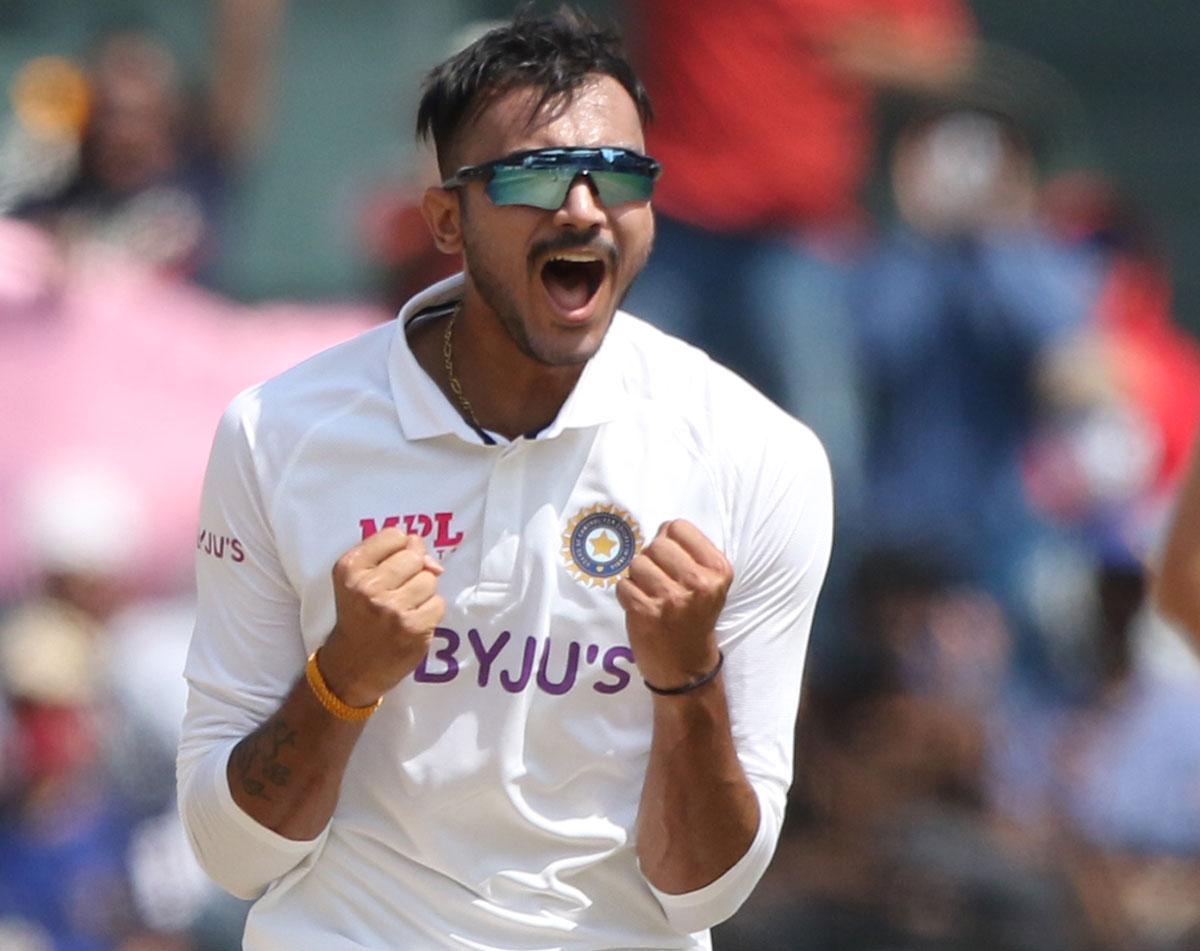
pixel 568 679
pixel 611 656
pixel 592 651
pixel 238 553
pixel 516 686
pixel 486 656
pixel 218 546
pixel 446 655
pixel 444 538
pixel 200 540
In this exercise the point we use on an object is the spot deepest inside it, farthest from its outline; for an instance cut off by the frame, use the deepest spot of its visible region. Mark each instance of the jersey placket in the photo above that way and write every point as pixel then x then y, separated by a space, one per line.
pixel 502 515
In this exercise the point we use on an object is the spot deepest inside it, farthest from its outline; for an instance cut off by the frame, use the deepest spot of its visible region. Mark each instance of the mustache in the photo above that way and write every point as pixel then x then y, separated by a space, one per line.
pixel 576 241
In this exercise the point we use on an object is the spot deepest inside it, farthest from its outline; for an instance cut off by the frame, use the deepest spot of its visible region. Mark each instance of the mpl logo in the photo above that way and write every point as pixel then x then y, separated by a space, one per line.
pixel 437 528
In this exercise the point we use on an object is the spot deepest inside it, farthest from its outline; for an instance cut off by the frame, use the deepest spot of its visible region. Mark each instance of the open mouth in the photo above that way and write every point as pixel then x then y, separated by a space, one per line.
pixel 572 279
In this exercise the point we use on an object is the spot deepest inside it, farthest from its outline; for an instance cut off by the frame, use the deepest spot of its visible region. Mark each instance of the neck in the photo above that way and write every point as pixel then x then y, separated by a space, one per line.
pixel 511 393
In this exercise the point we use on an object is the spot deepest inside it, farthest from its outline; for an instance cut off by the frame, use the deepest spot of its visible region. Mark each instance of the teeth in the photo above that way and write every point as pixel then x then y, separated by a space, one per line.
pixel 577 256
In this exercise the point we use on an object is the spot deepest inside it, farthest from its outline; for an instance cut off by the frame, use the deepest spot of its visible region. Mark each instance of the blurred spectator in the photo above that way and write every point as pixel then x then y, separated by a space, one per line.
pixel 892 842
pixel 394 233
pixel 153 167
pixel 68 828
pixel 958 307
pixel 1132 755
pixel 1127 771
pixel 764 128
pixel 92 852
pixel 65 830
pixel 103 358
pixel 398 241
pixel 39 144
pixel 1124 402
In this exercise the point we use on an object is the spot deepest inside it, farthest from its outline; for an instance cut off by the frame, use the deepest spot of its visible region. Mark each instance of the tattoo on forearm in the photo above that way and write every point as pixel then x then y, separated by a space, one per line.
pixel 258 758
pixel 281 735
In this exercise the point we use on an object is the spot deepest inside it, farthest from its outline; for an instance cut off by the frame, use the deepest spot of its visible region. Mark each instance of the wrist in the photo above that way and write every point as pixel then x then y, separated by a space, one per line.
pixel 333 704
pixel 681 686
pixel 341 680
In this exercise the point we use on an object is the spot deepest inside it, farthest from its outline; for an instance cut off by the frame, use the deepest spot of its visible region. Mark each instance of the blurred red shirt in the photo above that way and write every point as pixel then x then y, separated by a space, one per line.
pixel 757 127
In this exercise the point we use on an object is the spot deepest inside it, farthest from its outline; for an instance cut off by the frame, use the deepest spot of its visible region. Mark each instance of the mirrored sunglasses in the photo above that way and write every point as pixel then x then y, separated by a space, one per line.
pixel 541 178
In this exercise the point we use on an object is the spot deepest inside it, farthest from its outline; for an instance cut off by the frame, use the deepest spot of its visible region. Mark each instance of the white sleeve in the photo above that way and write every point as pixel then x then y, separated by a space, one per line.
pixel 783 518
pixel 245 655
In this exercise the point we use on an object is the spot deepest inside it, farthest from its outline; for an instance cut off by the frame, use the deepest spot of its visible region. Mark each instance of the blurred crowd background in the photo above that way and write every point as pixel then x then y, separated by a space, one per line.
pixel 960 238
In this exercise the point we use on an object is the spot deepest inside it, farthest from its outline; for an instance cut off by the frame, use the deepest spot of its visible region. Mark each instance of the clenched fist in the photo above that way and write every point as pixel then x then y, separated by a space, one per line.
pixel 672 597
pixel 385 591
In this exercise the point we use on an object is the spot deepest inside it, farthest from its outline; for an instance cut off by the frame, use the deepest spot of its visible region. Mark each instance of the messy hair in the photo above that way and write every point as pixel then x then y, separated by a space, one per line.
pixel 554 55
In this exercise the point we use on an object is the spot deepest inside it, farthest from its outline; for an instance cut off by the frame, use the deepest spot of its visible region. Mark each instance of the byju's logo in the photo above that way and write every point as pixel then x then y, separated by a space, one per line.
pixel 552 666
pixel 220 546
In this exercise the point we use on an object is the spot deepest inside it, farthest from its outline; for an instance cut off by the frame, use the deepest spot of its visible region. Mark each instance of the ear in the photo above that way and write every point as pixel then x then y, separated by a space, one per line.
pixel 439 207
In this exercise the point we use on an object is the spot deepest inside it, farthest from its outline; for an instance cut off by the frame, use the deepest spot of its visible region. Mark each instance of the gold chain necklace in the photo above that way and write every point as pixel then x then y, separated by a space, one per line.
pixel 448 361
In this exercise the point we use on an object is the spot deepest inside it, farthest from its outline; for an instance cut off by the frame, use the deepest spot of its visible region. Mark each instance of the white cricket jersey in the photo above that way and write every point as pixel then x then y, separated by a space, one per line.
pixel 491 801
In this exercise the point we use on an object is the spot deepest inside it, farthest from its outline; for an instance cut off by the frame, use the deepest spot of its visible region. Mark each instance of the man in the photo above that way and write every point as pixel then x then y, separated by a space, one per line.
pixel 550 692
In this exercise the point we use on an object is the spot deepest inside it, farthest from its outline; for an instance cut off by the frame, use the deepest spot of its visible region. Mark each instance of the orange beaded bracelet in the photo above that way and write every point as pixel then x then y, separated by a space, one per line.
pixel 329 700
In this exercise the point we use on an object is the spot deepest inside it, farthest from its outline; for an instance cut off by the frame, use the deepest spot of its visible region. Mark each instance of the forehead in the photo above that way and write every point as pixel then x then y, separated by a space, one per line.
pixel 600 112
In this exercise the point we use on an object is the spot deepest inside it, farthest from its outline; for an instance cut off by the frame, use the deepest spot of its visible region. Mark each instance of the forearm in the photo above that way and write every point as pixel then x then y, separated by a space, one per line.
pixel 1178 592
pixel 287 774
pixel 698 813
pixel 1177 584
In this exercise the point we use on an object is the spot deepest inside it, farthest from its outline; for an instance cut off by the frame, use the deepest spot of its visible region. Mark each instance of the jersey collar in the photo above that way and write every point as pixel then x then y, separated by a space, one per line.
pixel 425 412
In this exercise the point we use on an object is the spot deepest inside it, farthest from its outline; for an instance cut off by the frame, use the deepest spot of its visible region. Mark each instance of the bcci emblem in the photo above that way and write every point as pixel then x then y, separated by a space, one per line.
pixel 600 543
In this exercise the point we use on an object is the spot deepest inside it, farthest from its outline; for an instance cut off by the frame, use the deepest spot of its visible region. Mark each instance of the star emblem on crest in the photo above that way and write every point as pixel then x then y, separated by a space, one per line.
pixel 599 543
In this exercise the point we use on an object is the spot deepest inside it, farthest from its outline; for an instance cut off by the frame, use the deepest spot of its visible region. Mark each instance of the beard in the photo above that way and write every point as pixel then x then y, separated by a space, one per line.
pixel 500 301
pixel 497 295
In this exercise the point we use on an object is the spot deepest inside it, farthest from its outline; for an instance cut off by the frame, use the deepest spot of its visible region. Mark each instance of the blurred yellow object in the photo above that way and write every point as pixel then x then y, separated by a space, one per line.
pixel 51 97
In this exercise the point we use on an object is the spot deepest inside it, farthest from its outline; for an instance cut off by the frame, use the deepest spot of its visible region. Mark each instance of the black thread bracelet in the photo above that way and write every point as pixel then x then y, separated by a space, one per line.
pixel 691 685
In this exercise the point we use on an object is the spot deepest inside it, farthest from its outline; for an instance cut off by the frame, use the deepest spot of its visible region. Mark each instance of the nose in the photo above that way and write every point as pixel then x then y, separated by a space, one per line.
pixel 581 208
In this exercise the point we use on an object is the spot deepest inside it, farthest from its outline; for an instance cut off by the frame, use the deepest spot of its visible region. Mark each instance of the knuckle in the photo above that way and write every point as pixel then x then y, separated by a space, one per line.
pixel 423 587
pixel 344 566
pixel 676 601
pixel 414 559
pixel 369 585
pixel 710 583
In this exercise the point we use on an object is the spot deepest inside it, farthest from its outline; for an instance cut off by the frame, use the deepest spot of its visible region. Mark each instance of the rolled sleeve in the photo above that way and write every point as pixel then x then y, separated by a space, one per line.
pixel 238 853
pixel 780 558
pixel 699 910
pixel 246 653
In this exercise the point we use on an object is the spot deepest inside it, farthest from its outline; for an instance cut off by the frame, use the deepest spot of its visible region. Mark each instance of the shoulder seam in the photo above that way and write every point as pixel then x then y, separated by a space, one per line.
pixel 302 443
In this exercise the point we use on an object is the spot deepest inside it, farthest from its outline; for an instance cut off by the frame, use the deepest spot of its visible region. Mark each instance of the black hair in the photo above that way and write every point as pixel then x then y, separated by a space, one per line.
pixel 554 54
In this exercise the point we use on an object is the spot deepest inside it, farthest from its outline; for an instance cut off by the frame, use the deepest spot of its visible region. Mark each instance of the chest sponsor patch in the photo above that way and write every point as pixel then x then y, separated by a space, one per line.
pixel 599 544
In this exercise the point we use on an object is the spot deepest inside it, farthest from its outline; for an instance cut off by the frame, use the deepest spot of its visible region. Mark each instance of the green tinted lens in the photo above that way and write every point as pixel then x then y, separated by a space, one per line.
pixel 616 188
pixel 546 188
pixel 539 187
